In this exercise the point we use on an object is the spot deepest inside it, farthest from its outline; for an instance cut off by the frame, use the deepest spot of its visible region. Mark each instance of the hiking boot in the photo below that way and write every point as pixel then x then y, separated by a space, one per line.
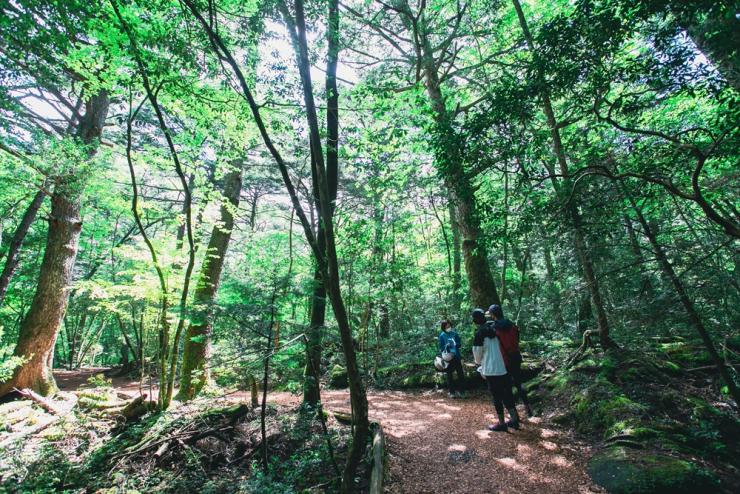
pixel 514 424
pixel 460 394
pixel 500 427
pixel 530 412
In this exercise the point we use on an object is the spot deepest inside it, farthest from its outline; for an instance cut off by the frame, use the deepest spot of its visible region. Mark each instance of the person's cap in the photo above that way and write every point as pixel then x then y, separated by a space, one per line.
pixel 478 313
pixel 496 310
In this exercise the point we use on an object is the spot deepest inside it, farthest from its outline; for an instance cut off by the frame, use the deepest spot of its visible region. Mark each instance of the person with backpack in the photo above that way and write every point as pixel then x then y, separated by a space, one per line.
pixel 449 347
pixel 508 335
pixel 489 356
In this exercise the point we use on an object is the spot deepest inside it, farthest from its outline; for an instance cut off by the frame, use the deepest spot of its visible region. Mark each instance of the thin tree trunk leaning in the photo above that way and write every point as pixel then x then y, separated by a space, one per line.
pixel 11 261
pixel 265 377
pixel 555 299
pixel 326 260
pixel 691 312
pixel 311 386
pixel 39 328
pixel 169 354
pixel 647 285
pixel 195 372
pixel 572 214
pixel 181 228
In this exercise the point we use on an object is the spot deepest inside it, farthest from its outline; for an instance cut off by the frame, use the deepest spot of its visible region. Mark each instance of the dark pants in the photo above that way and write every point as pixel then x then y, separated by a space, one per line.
pixel 515 370
pixel 455 365
pixel 500 388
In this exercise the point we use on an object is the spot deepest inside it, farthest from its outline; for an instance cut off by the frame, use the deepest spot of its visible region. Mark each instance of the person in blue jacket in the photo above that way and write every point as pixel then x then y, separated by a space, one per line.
pixel 449 342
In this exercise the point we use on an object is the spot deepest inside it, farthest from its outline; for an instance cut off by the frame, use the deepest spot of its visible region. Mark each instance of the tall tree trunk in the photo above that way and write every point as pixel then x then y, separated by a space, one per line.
pixel 456 258
pixel 573 215
pixel 39 328
pixel 481 283
pixel 311 384
pixel 195 372
pixel 450 165
pixel 330 273
pixel 11 260
pixel 556 300
pixel 647 285
pixel 328 260
pixel 691 312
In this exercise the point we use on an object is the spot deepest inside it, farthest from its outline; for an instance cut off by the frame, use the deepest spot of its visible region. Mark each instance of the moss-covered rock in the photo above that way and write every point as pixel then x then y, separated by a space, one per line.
pixel 338 377
pixel 622 470
pixel 603 408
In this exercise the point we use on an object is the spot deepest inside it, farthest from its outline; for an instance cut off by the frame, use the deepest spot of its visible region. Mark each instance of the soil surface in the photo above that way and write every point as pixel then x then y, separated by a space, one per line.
pixel 441 445
pixel 437 445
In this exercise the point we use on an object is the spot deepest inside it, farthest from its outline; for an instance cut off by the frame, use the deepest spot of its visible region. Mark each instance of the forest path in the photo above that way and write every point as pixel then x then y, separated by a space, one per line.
pixel 436 444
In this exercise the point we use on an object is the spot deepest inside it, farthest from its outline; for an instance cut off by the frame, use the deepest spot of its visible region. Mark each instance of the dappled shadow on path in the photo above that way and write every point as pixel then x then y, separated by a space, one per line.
pixel 441 445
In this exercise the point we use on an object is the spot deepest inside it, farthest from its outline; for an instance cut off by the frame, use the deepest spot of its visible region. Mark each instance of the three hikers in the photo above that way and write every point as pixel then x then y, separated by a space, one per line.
pixel 496 352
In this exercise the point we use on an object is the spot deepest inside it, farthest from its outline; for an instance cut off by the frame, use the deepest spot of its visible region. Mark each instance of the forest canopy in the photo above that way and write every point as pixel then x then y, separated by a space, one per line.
pixel 209 193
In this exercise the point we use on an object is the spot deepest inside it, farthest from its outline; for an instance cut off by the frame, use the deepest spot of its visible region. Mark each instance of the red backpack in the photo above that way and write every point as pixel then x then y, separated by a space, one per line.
pixel 509 342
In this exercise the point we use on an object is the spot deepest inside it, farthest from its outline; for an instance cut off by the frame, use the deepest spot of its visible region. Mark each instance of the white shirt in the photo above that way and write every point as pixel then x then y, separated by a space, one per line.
pixel 489 358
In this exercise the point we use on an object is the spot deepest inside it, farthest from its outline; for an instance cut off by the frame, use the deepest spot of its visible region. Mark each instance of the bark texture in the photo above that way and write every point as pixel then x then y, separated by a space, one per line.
pixel 450 165
pixel 39 329
pixel 11 261
pixel 195 372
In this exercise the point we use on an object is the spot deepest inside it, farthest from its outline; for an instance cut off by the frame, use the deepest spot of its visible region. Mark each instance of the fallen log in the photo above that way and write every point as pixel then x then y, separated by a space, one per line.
pixel 137 407
pixel 712 367
pixel 39 400
pixel 134 409
pixel 343 418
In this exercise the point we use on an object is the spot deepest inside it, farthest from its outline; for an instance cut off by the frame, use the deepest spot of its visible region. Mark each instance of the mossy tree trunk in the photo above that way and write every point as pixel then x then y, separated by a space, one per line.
pixel 39 329
pixel 195 372
pixel 450 164
pixel 456 258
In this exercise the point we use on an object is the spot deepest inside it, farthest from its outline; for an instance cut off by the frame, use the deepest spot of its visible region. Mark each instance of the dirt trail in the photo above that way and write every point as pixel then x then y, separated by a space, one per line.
pixel 440 445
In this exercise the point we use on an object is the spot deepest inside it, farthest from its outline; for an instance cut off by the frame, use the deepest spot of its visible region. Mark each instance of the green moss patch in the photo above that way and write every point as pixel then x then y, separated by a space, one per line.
pixel 338 377
pixel 621 470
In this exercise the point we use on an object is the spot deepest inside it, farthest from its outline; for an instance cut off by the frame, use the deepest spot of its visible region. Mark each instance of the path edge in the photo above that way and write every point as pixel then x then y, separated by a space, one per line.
pixel 377 473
